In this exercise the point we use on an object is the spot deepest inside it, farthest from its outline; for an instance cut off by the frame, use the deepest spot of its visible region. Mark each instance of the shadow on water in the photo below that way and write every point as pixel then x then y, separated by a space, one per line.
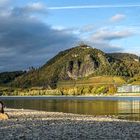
pixel 124 109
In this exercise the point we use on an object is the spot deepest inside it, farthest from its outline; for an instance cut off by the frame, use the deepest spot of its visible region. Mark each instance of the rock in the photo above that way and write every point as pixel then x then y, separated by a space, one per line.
pixel 39 125
pixel 3 116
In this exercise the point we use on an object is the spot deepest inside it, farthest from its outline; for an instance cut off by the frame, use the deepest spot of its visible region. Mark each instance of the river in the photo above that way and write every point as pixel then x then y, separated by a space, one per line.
pixel 123 107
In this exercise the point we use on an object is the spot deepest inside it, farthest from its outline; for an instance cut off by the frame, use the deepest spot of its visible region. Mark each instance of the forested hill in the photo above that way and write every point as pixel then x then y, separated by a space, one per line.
pixel 125 56
pixel 80 62
pixel 7 77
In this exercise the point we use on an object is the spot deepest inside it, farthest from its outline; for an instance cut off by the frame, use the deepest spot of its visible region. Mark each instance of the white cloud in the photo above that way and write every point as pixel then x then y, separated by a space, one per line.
pixel 4 2
pixel 110 35
pixel 102 39
pixel 94 6
pixel 30 10
pixel 37 6
pixel 87 28
pixel 107 47
pixel 117 17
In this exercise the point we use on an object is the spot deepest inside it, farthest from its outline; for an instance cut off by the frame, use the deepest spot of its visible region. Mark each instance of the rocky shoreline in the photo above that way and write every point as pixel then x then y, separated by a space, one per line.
pixel 39 125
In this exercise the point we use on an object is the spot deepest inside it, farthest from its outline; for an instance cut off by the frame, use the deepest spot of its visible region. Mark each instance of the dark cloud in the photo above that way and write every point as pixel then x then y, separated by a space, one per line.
pixel 26 41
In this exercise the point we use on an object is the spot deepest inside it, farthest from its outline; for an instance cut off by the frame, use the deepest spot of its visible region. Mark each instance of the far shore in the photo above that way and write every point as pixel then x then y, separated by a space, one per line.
pixel 68 97
pixel 30 124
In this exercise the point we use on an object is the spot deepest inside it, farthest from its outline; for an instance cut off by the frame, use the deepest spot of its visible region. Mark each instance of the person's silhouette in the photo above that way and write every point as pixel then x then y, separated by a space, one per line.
pixel 1 107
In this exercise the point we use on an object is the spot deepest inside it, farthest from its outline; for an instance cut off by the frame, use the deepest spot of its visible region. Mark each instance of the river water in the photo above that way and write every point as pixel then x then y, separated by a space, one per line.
pixel 123 107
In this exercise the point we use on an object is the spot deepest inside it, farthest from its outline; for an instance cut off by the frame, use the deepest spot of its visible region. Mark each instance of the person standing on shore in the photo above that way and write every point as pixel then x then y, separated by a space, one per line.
pixel 3 116
pixel 1 107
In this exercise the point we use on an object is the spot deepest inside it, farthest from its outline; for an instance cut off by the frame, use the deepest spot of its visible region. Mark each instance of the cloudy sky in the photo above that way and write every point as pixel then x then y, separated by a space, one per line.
pixel 33 31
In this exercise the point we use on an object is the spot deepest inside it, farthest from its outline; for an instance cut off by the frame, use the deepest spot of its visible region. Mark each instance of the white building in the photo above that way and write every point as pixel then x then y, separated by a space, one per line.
pixel 129 89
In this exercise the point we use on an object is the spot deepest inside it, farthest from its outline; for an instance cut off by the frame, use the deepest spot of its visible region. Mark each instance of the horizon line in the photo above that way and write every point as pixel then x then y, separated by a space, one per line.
pixel 93 6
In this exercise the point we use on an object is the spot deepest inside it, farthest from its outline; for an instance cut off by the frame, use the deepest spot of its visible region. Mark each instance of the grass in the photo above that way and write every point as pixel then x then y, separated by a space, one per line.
pixel 98 80
pixel 136 83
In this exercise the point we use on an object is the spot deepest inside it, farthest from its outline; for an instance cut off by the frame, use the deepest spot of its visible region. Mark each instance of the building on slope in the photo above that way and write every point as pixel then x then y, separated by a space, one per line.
pixel 129 89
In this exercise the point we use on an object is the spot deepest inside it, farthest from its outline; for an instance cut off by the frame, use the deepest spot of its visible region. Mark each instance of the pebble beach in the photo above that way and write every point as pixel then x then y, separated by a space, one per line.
pixel 39 125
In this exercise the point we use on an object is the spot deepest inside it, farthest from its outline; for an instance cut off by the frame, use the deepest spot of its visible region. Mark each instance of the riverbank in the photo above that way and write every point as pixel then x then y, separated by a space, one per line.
pixel 29 124
pixel 64 97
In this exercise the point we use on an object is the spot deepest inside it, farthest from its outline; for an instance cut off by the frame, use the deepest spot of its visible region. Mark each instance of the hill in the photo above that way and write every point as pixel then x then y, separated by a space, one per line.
pixel 131 61
pixel 125 56
pixel 79 63
pixel 7 77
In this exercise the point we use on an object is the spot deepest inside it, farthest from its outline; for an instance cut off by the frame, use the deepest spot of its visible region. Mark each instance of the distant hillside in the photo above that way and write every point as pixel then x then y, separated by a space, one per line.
pixel 7 77
pixel 125 56
pixel 78 63
pixel 131 61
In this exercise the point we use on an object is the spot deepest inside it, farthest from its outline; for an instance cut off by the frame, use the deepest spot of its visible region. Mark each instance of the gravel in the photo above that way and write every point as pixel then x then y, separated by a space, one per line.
pixel 39 125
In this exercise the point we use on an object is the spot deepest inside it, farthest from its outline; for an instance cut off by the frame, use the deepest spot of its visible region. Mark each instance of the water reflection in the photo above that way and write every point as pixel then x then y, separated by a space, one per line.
pixel 123 109
pixel 129 109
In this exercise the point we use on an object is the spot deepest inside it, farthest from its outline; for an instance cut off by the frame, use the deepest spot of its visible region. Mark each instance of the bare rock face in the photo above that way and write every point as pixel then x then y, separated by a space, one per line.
pixel 77 69
pixel 80 62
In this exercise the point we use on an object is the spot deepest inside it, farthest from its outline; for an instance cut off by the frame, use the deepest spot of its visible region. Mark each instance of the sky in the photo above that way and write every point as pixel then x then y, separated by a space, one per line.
pixel 33 31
